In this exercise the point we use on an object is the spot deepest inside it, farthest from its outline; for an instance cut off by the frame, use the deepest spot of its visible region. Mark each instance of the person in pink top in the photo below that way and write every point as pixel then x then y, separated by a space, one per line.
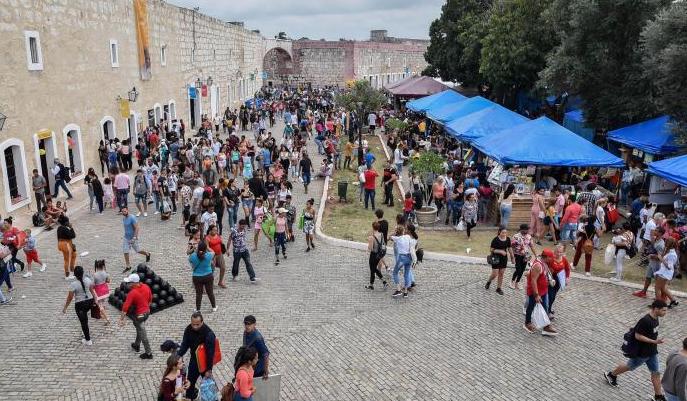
pixel 245 361
pixel 121 184
pixel 570 219
pixel 280 234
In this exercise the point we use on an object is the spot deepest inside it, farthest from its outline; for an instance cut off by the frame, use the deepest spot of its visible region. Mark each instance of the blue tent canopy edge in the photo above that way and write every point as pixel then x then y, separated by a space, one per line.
pixel 673 169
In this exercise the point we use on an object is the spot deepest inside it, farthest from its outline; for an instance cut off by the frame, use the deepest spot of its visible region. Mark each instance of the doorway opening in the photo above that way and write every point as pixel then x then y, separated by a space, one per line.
pixel 194 107
pixel 73 149
pixel 14 174
pixel 46 154
pixel 108 128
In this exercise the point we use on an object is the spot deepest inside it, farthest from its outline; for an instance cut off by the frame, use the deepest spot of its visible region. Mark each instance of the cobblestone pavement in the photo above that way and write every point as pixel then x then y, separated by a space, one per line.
pixel 329 337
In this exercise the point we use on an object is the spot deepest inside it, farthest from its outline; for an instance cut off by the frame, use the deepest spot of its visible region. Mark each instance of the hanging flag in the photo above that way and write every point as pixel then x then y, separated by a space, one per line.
pixel 124 110
pixel 204 91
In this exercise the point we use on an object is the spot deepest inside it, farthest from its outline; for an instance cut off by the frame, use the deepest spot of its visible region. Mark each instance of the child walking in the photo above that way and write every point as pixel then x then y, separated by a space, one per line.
pixel 31 254
pixel 101 280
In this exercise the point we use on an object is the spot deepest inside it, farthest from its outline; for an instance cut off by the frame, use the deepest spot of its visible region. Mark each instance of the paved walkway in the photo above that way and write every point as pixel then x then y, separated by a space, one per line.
pixel 329 338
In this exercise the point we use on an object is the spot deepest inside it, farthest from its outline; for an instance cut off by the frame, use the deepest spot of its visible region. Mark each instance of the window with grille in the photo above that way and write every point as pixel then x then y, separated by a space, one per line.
pixel 34 55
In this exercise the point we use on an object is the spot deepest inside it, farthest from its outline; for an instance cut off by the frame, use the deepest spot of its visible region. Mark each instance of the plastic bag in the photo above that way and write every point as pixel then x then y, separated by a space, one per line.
pixel 461 225
pixel 209 390
pixel 561 280
pixel 609 255
pixel 540 318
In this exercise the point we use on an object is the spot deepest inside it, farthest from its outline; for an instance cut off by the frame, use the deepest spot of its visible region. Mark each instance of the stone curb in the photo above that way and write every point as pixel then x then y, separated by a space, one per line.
pixel 445 257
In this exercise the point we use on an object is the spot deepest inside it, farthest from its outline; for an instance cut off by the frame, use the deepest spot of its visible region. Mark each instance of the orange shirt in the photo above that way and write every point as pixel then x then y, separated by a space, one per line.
pixel 244 382
pixel 214 243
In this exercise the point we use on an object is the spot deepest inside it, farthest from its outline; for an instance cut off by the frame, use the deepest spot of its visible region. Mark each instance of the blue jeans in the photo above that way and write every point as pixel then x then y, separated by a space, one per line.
pixel 671 397
pixel 568 232
pixel 320 146
pixel 404 261
pixel 399 169
pixel 506 211
pixel 306 178
pixel 624 192
pixel 231 215
pixel 237 397
pixel 61 184
pixel 650 361
pixel 5 275
pixel 370 195
pixel 531 304
pixel 122 198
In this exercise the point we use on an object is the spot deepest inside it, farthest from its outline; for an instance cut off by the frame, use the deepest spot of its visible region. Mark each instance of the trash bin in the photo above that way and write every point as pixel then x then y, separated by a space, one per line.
pixel 343 188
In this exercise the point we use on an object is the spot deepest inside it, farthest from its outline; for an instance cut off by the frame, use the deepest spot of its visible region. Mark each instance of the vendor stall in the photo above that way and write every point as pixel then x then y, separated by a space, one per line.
pixel 484 122
pixel 540 142
pixel 575 122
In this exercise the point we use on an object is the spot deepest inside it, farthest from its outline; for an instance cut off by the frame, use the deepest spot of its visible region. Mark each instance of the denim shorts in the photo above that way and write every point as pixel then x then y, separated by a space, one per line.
pixel 650 361
pixel 140 198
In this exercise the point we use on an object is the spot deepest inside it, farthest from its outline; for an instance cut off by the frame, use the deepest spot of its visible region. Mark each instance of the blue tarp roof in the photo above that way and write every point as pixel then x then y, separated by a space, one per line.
pixel 422 104
pixel 653 136
pixel 484 122
pixel 545 143
pixel 445 113
pixel 673 169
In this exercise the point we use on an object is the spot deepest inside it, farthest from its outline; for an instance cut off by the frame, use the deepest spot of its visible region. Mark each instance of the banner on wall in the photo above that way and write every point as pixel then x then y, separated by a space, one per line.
pixel 204 91
pixel 124 110
pixel 192 93
pixel 143 39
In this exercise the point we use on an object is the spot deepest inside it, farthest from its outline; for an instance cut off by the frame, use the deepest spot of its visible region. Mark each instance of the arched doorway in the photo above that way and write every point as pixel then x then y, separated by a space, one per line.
pixel 278 65
pixel 15 176
pixel 158 113
pixel 73 150
pixel 172 110
pixel 107 128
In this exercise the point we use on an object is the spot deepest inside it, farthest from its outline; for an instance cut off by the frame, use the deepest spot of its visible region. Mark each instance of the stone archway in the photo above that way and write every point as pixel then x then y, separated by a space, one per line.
pixel 278 65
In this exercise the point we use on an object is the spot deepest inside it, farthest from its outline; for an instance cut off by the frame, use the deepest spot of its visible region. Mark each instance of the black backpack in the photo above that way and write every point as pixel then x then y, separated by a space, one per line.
pixel 64 173
pixel 381 248
pixel 37 220
pixel 630 345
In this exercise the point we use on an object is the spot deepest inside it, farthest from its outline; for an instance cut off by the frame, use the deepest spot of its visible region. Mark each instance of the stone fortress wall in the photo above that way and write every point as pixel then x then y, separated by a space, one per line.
pixel 73 90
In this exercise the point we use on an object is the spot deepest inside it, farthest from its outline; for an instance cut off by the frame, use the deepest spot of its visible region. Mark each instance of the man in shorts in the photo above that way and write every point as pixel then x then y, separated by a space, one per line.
pixel 131 238
pixel 644 350
pixel 653 250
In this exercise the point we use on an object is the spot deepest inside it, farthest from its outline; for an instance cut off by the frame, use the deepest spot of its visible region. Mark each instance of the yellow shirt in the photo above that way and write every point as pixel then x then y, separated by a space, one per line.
pixel 422 126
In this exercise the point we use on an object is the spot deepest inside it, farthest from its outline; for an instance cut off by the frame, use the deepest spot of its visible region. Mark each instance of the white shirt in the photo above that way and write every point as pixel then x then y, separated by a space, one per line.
pixel 55 170
pixel 648 228
pixel 398 156
pixel 402 244
pixel 667 268
pixel 372 119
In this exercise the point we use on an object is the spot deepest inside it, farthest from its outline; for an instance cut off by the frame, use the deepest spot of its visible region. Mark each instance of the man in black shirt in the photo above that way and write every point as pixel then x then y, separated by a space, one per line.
pixel 389 178
pixel 645 350
pixel 195 334
pixel 306 170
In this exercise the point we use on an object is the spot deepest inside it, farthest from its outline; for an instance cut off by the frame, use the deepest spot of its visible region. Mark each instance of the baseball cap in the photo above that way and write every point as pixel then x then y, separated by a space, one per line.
pixel 132 278
pixel 547 253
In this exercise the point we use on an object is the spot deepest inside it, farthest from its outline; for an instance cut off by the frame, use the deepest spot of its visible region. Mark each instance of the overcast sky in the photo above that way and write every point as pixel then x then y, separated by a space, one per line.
pixel 329 19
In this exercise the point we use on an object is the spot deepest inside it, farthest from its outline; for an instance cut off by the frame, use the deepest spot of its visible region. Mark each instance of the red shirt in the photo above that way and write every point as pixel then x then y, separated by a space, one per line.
pixel 140 297
pixel 370 179
pixel 542 283
pixel 214 243
pixel 408 204
pixel 557 266
pixel 571 214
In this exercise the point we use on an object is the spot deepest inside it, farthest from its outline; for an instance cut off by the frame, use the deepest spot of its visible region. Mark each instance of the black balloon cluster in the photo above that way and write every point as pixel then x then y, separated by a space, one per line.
pixel 164 295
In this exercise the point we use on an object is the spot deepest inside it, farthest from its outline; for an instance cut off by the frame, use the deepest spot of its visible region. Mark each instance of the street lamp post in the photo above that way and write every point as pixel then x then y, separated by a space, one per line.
pixel 360 133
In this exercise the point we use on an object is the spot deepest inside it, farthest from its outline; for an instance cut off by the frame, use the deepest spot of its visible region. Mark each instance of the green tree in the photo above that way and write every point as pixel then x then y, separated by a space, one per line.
pixel 455 41
pixel 361 92
pixel 515 47
pixel 664 43
pixel 599 58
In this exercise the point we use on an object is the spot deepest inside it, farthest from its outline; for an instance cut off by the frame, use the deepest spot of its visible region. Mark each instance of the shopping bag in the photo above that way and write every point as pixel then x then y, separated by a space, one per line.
pixel 561 280
pixel 301 221
pixel 540 318
pixel 461 225
pixel 201 356
pixel 269 227
pixel 209 390
pixel 609 255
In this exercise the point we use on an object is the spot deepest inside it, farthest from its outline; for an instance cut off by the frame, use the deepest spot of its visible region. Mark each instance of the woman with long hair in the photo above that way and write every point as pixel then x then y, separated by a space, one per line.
pixel 101 285
pixel 65 236
pixel 83 293
pixel 438 193
pixel 214 241
pixel 469 213
pixel 506 205
pixel 173 380
pixel 309 216
pixel 501 250
pixel 666 272
pixel 244 364
pixel 377 248
pixel 203 279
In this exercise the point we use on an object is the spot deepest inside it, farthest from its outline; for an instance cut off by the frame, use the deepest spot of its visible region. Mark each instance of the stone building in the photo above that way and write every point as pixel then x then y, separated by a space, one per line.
pixel 64 64
pixel 380 60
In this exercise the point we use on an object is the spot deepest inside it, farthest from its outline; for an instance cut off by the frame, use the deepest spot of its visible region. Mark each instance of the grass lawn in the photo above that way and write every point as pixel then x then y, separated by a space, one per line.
pixel 350 221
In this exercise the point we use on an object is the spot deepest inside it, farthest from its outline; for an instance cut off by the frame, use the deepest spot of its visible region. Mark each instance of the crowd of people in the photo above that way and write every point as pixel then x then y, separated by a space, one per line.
pixel 234 176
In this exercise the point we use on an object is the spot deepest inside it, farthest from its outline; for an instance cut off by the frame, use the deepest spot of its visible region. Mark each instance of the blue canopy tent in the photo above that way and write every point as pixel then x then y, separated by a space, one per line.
pixel 484 122
pixel 673 169
pixel 543 142
pixel 574 121
pixel 422 104
pixel 653 136
pixel 445 113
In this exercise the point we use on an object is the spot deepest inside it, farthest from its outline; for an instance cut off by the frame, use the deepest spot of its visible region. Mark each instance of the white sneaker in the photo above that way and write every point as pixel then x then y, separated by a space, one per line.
pixel 70 277
pixel 84 342
pixel 615 279
pixel 588 274
pixel 43 267
pixel 27 275
pixel 145 214
pixel 156 212
pixel 214 309
pixel 138 214
pixel 254 280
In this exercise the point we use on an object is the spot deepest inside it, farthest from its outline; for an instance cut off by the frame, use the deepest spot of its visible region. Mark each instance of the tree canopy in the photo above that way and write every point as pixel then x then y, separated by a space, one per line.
pixel 361 92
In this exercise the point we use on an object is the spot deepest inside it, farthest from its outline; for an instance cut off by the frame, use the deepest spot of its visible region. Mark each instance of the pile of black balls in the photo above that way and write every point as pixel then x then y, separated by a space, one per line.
pixel 164 295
